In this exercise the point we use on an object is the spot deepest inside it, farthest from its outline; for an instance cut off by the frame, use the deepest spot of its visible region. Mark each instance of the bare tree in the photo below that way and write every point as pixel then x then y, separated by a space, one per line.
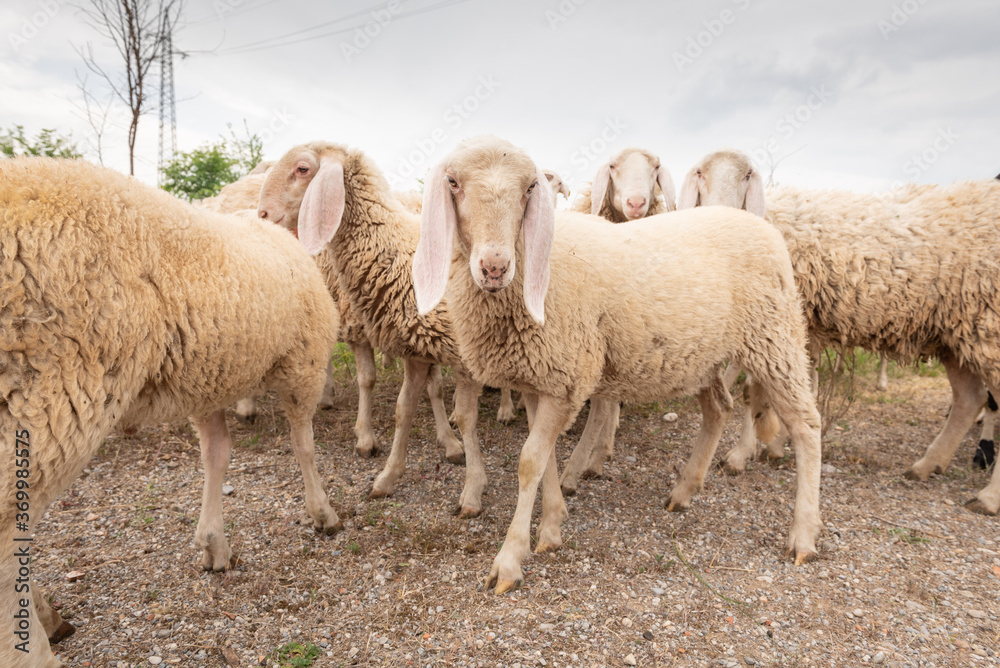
pixel 773 162
pixel 136 28
pixel 96 115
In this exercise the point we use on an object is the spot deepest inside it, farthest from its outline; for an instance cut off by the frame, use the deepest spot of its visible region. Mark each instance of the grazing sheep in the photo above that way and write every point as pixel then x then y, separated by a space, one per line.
pixel 632 312
pixel 366 239
pixel 121 305
pixel 911 275
pixel 630 186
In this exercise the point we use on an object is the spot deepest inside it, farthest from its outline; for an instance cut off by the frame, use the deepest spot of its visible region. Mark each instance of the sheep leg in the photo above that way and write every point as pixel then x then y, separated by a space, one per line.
pixel 735 461
pixel 324 518
pixel 987 500
pixel 506 411
pixel 467 394
pixel 579 460
pixel 414 377
pixel 986 450
pixel 364 359
pixel 733 372
pixel 530 402
pixel 551 418
pixel 329 397
pixel 216 447
pixel 56 628
pixel 605 447
pixel 37 652
pixel 453 450
pixel 883 374
pixel 968 395
pixel 554 511
pixel 715 407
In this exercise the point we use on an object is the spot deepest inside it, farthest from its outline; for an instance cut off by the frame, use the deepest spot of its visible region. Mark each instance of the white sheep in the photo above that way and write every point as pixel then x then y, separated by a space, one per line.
pixel 365 239
pixel 632 185
pixel 121 305
pixel 632 312
pixel 910 275
pixel 244 194
pixel 556 185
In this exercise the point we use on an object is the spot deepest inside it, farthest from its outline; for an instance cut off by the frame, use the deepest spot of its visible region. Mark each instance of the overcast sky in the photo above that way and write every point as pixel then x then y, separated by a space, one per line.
pixel 857 94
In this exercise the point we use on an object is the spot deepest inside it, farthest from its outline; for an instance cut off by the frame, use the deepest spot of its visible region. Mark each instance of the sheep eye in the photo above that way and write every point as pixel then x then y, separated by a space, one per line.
pixel 698 172
pixel 532 187
pixel 749 174
pixel 303 170
pixel 452 182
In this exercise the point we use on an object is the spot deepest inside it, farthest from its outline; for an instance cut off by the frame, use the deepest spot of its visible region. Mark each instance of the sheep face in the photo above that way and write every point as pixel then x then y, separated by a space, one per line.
pixel 556 185
pixel 287 181
pixel 628 181
pixel 725 178
pixel 486 194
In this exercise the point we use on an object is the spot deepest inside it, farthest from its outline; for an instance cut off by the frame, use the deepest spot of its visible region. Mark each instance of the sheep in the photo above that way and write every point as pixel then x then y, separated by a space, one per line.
pixel 121 305
pixel 632 312
pixel 361 235
pixel 909 275
pixel 556 185
pixel 245 194
pixel 625 188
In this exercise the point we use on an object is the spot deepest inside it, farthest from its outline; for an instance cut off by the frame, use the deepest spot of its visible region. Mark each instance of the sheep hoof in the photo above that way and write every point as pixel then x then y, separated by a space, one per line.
pixel 506 415
pixel 64 631
pixel 546 545
pixel 677 506
pixel 466 512
pixel 502 586
pixel 914 473
pixel 977 506
pixel 329 529
pixel 804 556
pixel 985 455
pixel 453 419
pixel 592 473
pixel 247 419
pixel 365 453
pixel 731 469
pixel 377 493
pixel 568 490
pixel 456 457
pixel 326 403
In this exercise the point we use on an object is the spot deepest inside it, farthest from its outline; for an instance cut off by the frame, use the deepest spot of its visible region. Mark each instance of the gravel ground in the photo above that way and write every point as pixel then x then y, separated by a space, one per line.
pixel 906 575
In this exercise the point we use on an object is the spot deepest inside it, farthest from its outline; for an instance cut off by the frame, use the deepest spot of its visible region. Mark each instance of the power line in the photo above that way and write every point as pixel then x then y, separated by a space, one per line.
pixel 247 48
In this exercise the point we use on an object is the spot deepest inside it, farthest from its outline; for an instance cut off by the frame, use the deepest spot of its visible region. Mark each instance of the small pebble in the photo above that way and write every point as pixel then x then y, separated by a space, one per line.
pixel 629 659
pixel 858 612
pixel 976 614
pixel 353 652
pixel 228 489
pixel 879 657
pixel 155 660
pixel 669 417
pixel 626 622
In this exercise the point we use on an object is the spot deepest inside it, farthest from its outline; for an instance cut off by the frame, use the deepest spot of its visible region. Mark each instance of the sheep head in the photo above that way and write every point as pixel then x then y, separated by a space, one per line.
pixel 725 178
pixel 292 188
pixel 628 181
pixel 486 194
pixel 556 185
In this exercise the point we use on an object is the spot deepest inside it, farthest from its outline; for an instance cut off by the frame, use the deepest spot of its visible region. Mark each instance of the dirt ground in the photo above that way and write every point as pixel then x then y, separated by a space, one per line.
pixel 906 576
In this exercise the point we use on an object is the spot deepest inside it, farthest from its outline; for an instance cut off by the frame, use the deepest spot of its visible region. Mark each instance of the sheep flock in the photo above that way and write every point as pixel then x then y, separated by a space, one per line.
pixel 121 306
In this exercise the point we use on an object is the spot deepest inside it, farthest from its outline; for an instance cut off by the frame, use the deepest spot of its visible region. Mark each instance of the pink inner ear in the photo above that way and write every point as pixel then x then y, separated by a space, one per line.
pixel 599 189
pixel 322 207
pixel 667 188
pixel 539 232
pixel 432 260
pixel 689 190
pixel 754 200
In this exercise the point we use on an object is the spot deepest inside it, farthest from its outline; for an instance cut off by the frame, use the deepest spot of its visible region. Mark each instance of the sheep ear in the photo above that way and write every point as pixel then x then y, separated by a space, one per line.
pixel 432 261
pixel 322 207
pixel 539 230
pixel 689 195
pixel 667 187
pixel 599 189
pixel 564 189
pixel 754 200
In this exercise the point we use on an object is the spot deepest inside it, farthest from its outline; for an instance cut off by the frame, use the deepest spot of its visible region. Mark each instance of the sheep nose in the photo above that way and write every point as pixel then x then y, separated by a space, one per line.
pixel 262 214
pixel 635 203
pixel 494 269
